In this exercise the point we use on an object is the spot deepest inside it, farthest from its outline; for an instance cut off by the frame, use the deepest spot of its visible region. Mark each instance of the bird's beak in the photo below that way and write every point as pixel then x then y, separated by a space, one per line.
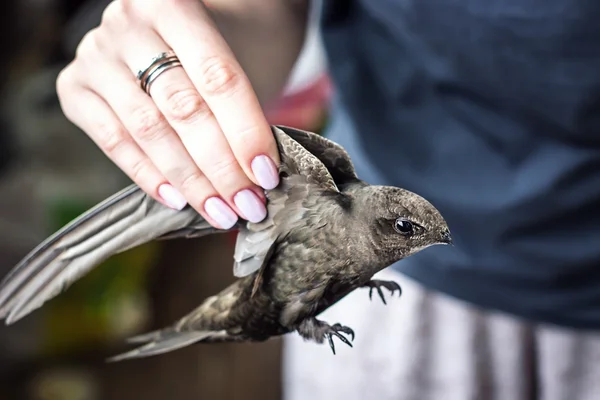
pixel 446 237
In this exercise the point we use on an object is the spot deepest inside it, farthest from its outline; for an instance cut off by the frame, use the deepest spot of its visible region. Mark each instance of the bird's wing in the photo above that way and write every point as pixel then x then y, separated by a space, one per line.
pixel 127 219
pixel 332 155
pixel 302 173
pixel 298 160
pixel 131 218
pixel 254 244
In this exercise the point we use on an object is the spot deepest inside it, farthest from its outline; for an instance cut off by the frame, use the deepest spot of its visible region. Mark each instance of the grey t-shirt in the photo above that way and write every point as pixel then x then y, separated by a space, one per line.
pixel 491 110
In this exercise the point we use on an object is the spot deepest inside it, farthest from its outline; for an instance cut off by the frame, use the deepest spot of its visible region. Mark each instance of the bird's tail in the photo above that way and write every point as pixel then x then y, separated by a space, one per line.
pixel 209 322
pixel 166 340
pixel 125 220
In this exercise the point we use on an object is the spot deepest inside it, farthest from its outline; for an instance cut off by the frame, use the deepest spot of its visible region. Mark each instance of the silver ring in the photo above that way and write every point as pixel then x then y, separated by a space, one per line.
pixel 159 64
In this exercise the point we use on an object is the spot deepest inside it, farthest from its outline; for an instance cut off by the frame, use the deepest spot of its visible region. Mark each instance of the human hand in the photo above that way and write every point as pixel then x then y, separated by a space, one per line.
pixel 199 136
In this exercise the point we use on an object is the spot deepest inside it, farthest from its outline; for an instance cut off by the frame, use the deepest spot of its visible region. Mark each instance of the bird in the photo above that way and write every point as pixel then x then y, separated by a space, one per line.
pixel 326 234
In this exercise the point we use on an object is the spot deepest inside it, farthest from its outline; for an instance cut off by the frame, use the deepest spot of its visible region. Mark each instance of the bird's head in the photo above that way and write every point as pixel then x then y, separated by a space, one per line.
pixel 402 222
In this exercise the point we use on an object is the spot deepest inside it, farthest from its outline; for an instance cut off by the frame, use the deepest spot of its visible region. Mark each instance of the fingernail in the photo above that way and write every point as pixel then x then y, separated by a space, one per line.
pixel 220 212
pixel 265 171
pixel 171 196
pixel 249 204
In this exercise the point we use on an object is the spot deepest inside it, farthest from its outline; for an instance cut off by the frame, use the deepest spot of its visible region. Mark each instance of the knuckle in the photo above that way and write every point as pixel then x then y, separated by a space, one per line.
pixel 141 10
pixel 111 140
pixel 131 6
pixel 185 106
pixel 139 169
pixel 89 44
pixel 149 124
pixel 64 81
pixel 224 170
pixel 113 13
pixel 67 89
pixel 248 134
pixel 175 3
pixel 219 76
pixel 191 180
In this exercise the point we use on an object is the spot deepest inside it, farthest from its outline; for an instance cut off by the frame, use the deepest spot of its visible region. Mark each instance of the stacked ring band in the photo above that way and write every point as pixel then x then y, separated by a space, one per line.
pixel 159 64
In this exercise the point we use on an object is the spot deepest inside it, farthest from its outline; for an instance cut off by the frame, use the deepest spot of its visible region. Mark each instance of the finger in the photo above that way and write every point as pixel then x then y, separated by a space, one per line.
pixel 220 80
pixel 154 136
pixel 190 117
pixel 92 115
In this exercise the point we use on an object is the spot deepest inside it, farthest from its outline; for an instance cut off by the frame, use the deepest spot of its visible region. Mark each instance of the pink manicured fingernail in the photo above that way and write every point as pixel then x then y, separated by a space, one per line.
pixel 250 205
pixel 265 171
pixel 218 210
pixel 171 196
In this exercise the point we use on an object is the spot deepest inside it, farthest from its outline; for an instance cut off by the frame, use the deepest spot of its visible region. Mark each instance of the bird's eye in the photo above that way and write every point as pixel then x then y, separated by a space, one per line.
pixel 404 226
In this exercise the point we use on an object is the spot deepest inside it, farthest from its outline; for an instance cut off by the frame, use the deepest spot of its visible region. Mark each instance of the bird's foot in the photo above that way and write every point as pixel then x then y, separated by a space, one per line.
pixel 318 331
pixel 377 285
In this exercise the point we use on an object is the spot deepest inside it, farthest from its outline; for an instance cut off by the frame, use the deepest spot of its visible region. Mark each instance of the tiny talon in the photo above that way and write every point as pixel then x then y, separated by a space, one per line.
pixel 348 331
pixel 318 330
pixel 330 339
pixel 380 292
pixel 342 338
pixel 378 285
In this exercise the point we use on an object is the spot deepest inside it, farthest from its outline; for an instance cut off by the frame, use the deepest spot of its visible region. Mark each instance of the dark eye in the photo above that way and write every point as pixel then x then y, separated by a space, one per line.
pixel 403 226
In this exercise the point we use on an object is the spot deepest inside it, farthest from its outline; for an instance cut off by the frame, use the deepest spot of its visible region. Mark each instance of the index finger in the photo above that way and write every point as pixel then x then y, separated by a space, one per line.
pixel 221 81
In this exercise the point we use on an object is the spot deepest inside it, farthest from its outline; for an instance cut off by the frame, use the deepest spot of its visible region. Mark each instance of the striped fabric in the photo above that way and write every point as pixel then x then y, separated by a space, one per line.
pixel 427 346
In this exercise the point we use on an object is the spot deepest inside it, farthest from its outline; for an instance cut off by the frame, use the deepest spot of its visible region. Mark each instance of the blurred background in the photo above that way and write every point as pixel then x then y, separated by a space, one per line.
pixel 50 172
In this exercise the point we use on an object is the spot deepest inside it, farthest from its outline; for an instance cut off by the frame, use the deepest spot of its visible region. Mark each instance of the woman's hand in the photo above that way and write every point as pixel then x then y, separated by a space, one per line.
pixel 199 136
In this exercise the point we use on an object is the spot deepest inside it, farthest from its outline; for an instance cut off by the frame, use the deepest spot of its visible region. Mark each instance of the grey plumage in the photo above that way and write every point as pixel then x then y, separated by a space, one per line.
pixel 326 234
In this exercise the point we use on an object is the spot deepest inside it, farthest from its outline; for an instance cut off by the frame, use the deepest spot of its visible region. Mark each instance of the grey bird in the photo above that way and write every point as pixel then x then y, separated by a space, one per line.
pixel 326 234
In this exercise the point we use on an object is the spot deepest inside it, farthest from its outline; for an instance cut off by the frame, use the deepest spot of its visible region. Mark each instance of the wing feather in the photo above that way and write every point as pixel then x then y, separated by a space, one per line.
pixel 300 171
pixel 332 155
pixel 125 220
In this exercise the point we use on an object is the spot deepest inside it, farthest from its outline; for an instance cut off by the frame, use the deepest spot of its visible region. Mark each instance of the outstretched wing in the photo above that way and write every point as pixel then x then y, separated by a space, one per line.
pixel 131 218
pixel 125 220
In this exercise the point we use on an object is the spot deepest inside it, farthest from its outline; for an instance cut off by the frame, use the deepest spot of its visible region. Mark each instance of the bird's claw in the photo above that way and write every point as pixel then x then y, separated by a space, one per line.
pixel 377 285
pixel 335 330
pixel 319 331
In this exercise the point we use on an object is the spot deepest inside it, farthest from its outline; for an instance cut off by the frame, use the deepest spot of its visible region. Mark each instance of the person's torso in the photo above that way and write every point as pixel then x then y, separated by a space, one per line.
pixel 491 110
